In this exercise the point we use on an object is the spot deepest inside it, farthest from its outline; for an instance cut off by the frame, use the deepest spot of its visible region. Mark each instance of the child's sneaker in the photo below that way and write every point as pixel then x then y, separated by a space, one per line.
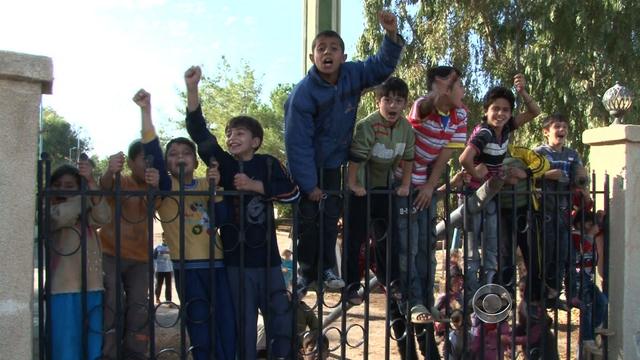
pixel 302 285
pixel 331 280
pixel 353 297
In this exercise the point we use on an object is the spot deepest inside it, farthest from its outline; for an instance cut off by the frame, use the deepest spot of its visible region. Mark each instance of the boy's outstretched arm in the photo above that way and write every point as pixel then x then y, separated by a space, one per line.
pixel 377 68
pixel 533 109
pixel 280 187
pixel 299 129
pixel 192 78
pixel 196 124
pixel 151 144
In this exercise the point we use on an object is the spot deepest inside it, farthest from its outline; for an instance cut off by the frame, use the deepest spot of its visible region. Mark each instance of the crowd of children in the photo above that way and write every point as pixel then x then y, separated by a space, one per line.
pixel 220 238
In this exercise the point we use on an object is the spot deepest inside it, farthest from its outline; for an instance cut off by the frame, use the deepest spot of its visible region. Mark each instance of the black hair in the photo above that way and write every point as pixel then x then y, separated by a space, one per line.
pixel 440 72
pixel 184 141
pixel 63 170
pixel 135 149
pixel 498 92
pixel 248 123
pixel 392 85
pixel 327 34
pixel 554 118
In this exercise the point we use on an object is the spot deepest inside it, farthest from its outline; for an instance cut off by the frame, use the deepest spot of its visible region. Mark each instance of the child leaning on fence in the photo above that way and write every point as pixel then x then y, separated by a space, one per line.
pixel 193 273
pixel 320 115
pixel 66 321
pixel 251 249
pixel 482 159
pixel 134 250
pixel 381 141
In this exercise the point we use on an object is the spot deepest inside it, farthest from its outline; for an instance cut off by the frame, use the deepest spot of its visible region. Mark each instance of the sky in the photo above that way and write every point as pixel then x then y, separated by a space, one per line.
pixel 103 51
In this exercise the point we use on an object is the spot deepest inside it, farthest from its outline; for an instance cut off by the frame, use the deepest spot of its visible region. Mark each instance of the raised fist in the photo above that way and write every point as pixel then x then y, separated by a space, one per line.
pixel 142 98
pixel 192 76
pixel 388 21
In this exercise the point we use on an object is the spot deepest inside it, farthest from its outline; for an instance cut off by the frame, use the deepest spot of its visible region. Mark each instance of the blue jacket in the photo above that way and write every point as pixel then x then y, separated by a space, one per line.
pixel 320 117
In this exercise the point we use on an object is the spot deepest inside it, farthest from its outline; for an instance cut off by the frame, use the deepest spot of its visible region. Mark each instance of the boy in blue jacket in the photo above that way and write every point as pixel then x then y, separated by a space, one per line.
pixel 319 119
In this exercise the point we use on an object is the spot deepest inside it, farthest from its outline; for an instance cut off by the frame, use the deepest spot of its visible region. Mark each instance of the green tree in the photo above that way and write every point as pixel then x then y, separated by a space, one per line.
pixel 61 141
pixel 570 51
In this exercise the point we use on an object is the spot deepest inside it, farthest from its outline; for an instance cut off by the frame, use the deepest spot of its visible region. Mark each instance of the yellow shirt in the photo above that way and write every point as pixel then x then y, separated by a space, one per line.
pixel 196 223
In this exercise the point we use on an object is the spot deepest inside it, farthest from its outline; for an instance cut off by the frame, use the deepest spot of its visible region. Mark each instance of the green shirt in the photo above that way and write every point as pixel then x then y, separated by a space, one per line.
pixel 380 146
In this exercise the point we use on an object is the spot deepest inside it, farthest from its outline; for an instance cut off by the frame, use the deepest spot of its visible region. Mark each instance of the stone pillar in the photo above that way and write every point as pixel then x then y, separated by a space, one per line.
pixel 616 151
pixel 23 80
pixel 318 15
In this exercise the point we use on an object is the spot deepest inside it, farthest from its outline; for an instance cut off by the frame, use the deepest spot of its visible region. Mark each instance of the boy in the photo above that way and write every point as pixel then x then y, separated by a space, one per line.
pixel 482 159
pixel 251 255
pixel 193 273
pixel 380 142
pixel 439 121
pixel 134 251
pixel 566 166
pixel 66 321
pixel 319 118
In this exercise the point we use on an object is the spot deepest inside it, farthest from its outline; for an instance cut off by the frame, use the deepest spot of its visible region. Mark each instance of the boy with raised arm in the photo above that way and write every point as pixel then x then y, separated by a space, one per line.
pixel 193 274
pixel 320 115
pixel 252 258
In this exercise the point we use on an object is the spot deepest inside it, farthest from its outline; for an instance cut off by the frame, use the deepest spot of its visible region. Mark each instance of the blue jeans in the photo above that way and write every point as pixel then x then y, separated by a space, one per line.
pixel 271 297
pixel 67 323
pixel 416 250
pixel 482 233
pixel 593 308
pixel 197 306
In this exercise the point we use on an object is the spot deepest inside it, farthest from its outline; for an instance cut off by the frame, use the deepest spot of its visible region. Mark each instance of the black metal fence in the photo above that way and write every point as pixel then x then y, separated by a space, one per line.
pixel 558 309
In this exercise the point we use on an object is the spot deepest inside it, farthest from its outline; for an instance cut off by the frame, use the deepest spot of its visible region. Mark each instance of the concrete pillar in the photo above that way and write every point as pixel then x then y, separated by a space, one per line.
pixel 23 80
pixel 318 15
pixel 616 151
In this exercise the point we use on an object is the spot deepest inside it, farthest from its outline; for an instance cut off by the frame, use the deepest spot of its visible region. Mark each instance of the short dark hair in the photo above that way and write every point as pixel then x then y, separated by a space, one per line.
pixel 440 72
pixel 180 140
pixel 393 85
pixel 135 149
pixel 63 170
pixel 554 118
pixel 248 123
pixel 327 34
pixel 498 92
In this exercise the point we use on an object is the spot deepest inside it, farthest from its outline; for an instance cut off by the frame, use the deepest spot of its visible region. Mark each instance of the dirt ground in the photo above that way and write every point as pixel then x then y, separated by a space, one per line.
pixel 376 347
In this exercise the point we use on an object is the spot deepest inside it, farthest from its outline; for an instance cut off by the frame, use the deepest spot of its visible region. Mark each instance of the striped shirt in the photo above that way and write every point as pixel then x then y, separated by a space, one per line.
pixel 432 135
pixel 491 149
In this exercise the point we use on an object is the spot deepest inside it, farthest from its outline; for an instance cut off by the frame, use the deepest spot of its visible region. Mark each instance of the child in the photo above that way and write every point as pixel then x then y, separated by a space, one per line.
pixel 592 302
pixel 482 159
pixel 162 260
pixel 193 273
pixel 519 226
pixel 319 118
pixel 134 250
pixel 380 142
pixel 287 267
pixel 566 166
pixel 439 121
pixel 66 320
pixel 251 257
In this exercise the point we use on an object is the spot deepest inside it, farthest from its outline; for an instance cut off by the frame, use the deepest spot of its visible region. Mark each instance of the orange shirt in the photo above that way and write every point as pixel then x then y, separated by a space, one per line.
pixel 134 238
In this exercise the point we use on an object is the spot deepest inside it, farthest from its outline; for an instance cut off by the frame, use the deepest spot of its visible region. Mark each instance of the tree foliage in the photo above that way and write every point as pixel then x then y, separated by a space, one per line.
pixel 570 51
pixel 61 140
pixel 228 93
